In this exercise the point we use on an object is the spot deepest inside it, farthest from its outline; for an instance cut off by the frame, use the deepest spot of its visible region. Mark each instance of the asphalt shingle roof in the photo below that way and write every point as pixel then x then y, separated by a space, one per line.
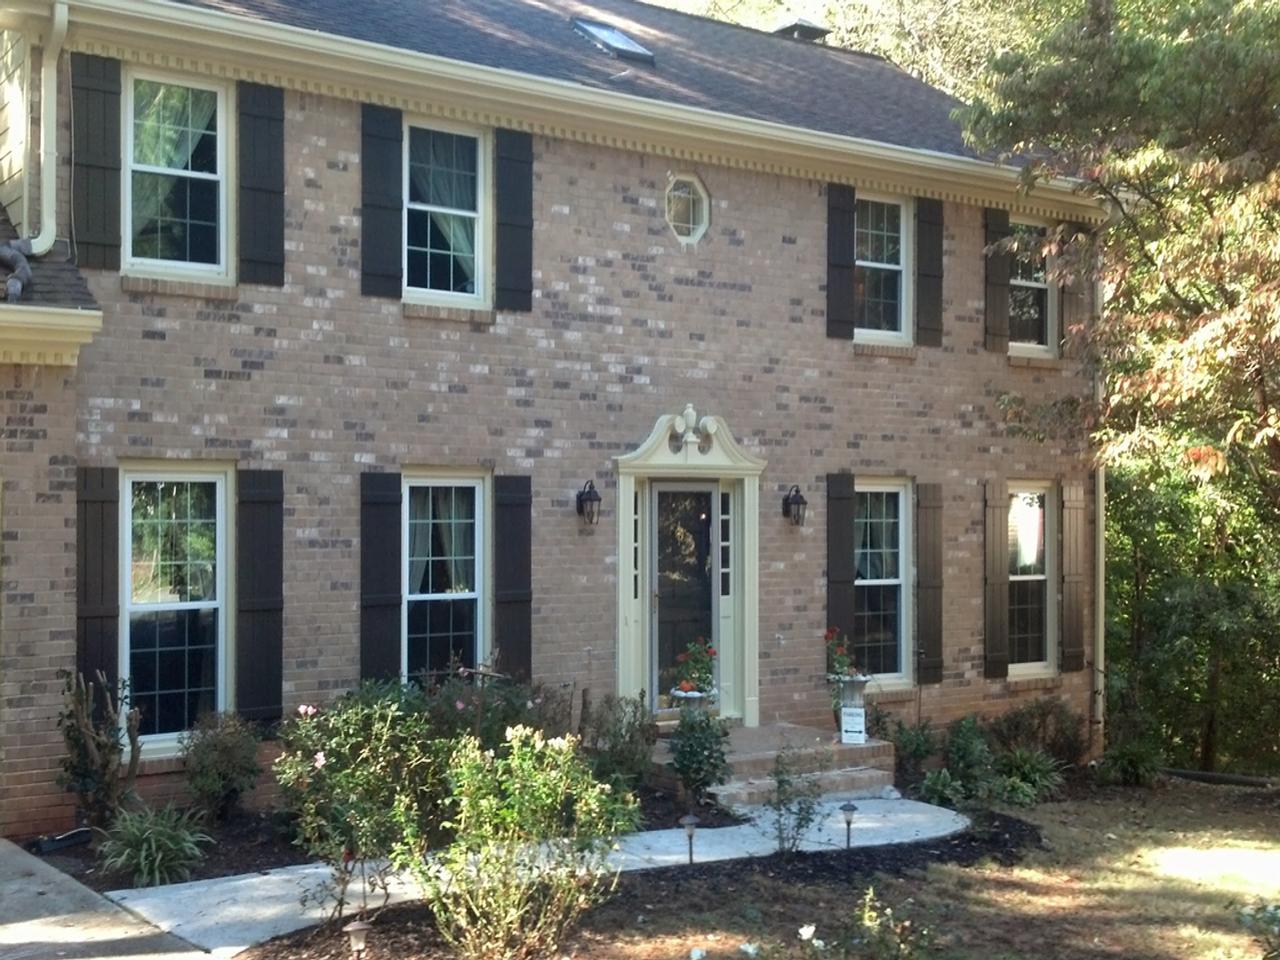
pixel 698 62
pixel 55 280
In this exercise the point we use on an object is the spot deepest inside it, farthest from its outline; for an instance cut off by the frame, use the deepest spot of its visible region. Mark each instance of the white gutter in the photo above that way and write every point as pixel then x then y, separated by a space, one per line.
pixel 42 242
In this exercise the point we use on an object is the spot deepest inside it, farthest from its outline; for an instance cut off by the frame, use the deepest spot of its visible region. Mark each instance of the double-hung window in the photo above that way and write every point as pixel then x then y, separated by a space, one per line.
pixel 173 586
pixel 1031 574
pixel 445 223
pixel 444 571
pixel 881 631
pixel 881 280
pixel 1033 302
pixel 176 175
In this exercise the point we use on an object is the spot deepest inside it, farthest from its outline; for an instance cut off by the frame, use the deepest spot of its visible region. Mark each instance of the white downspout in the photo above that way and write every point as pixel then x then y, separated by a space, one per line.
pixel 42 242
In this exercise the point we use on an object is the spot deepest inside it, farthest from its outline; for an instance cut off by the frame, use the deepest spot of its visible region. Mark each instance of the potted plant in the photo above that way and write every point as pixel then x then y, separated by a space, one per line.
pixel 848 682
pixel 695 685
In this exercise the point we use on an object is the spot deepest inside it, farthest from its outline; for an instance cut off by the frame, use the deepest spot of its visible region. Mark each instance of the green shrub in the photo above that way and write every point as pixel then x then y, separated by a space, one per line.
pixel 1131 763
pixel 92 722
pixel 966 752
pixel 1036 770
pixel 461 703
pixel 220 755
pixel 941 788
pixel 913 744
pixel 794 799
pixel 153 846
pixel 619 734
pixel 356 774
pixel 698 752
pixel 1046 724
pixel 531 834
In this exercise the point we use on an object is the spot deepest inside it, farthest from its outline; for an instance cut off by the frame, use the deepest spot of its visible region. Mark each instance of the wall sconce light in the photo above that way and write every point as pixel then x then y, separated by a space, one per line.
pixel 589 504
pixel 357 932
pixel 690 823
pixel 848 809
pixel 793 505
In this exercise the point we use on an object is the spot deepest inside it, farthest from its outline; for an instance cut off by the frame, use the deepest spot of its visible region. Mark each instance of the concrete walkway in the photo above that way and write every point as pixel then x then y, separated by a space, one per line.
pixel 46 915
pixel 227 915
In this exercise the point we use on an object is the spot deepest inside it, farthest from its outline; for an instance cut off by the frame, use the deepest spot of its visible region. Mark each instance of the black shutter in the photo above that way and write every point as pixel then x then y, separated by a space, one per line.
pixel 95 160
pixel 513 575
pixel 997 581
pixel 841 569
pixel 98 573
pixel 513 185
pixel 841 292
pixel 1074 545
pixel 261 133
pixel 928 272
pixel 999 266
pixel 929 582
pixel 381 203
pixel 259 594
pixel 380 560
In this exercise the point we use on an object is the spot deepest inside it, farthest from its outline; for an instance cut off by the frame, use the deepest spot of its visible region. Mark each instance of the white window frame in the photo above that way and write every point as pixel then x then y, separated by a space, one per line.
pixel 904 336
pixel 480 589
pixel 484 217
pixel 1047 666
pixel 162 745
pixel 905 580
pixel 1023 348
pixel 176 269
pixel 699 228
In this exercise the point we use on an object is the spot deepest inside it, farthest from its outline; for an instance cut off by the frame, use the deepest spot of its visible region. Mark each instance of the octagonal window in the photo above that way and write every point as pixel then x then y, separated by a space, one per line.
pixel 688 208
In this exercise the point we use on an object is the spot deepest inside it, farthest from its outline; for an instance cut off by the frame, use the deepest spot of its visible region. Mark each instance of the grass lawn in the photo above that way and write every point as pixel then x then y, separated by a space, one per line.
pixel 1125 873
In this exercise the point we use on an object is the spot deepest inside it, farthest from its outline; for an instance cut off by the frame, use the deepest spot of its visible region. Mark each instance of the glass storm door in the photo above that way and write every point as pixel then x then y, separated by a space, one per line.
pixel 685 578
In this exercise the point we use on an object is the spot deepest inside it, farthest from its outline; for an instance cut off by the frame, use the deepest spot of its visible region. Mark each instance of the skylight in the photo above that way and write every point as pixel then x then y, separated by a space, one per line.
pixel 612 40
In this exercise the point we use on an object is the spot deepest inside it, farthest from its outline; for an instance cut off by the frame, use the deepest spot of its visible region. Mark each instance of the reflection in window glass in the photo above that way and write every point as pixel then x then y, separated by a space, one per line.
pixel 1028 578
pixel 173 603
pixel 443 211
pixel 878 560
pixel 1029 289
pixel 443 577
pixel 879 265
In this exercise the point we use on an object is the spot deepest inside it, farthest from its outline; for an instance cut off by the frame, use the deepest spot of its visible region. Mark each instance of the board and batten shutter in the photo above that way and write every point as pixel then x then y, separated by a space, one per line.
pixel 929 582
pixel 842 570
pixel 95 160
pixel 259 594
pixel 1074 547
pixel 381 202
pixel 513 243
pixel 380 575
pixel 513 575
pixel 996 633
pixel 261 171
pixel 841 257
pixel 999 266
pixel 1072 296
pixel 98 573
pixel 929 229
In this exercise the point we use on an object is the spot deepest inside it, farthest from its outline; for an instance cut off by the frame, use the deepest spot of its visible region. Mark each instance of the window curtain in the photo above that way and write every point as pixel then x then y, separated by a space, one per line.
pixel 419 553
pixel 436 181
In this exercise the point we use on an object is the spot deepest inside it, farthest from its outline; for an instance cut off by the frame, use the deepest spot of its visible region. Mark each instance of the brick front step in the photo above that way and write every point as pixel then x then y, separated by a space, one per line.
pixel 854 769
pixel 852 782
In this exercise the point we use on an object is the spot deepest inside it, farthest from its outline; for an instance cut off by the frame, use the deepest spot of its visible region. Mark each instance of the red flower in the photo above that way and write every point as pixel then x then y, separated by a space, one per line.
pixel 839 651
pixel 686 685
pixel 711 651
pixel 831 634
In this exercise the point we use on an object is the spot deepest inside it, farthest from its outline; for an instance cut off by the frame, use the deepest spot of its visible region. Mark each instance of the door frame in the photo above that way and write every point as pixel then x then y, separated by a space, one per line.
pixel 682 447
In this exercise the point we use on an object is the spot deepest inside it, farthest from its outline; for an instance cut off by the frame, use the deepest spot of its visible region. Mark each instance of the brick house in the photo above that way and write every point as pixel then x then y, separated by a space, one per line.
pixel 329 316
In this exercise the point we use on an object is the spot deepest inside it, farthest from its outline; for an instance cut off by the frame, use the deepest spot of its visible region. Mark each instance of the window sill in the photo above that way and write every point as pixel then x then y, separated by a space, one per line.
pixel 1042 680
pixel 897 351
pixel 1041 361
pixel 894 691
pixel 200 289
pixel 425 311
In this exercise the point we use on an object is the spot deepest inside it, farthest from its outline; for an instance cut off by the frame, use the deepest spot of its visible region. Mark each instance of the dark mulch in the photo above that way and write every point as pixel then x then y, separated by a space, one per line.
pixel 404 931
pixel 246 843
pixel 660 810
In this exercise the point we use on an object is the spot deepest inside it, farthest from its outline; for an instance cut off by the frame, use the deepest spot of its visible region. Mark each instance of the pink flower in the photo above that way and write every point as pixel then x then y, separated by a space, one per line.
pixel 319 759
pixel 461 705
pixel 307 710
